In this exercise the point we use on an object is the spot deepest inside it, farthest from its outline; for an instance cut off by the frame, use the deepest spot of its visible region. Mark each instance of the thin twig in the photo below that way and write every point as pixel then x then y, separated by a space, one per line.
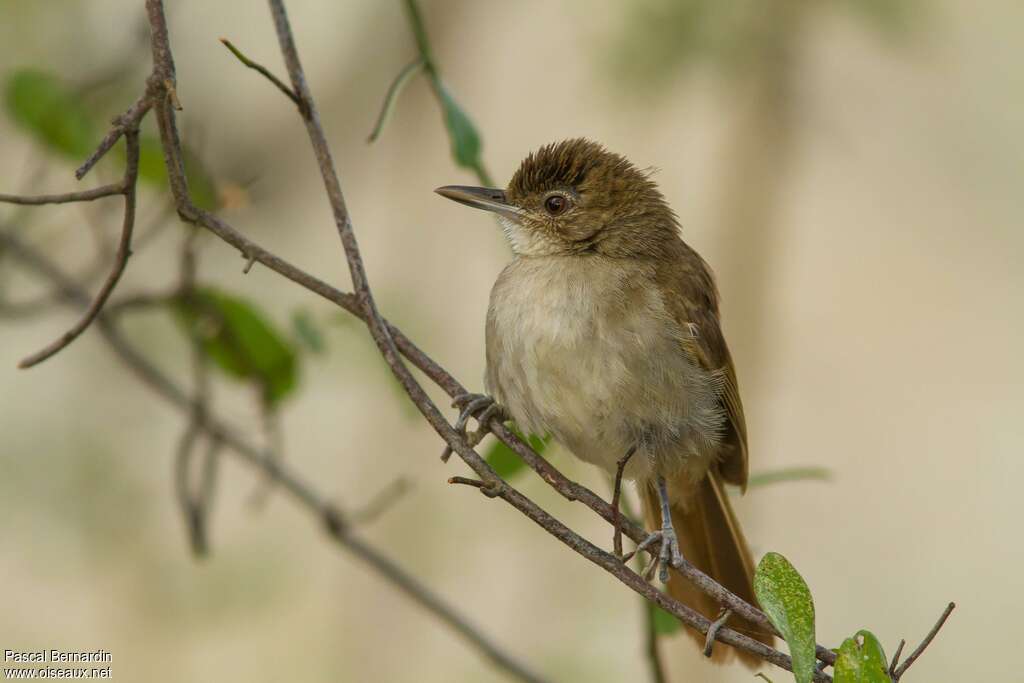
pixel 919 650
pixel 122 124
pixel 896 657
pixel 131 175
pixel 390 98
pixel 385 499
pixel 255 66
pixel 195 500
pixel 303 493
pixel 616 494
pixel 67 197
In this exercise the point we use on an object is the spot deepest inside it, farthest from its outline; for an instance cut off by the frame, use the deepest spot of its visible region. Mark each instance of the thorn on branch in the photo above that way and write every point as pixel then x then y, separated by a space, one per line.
pixel 491 489
pixel 172 94
pixel 334 521
pixel 249 261
pixel 713 629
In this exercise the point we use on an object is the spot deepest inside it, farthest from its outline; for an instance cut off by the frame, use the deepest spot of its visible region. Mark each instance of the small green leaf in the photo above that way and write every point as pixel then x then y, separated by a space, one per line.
pixel 664 623
pixel 240 340
pixel 861 660
pixel 307 331
pixel 42 104
pixel 152 170
pixel 786 474
pixel 505 461
pixel 464 137
pixel 787 601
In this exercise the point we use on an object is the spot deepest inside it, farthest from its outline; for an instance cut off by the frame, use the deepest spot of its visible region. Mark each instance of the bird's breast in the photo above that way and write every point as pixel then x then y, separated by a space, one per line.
pixel 583 348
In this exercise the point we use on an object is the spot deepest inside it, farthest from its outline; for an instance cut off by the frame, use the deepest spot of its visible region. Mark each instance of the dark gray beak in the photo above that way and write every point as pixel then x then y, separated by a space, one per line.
pixel 486 198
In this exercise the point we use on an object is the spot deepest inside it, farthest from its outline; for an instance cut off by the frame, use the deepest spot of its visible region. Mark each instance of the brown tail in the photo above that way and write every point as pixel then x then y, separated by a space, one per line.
pixel 710 538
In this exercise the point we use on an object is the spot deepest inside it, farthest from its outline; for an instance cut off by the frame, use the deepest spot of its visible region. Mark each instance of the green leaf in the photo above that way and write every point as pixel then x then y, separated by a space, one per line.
pixel 201 186
pixel 240 340
pixel 664 623
pixel 465 139
pixel 307 331
pixel 786 474
pixel 505 461
pixel 43 104
pixel 861 659
pixel 787 601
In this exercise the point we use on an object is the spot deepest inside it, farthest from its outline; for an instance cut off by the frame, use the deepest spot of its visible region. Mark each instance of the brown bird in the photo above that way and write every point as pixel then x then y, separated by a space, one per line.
pixel 604 332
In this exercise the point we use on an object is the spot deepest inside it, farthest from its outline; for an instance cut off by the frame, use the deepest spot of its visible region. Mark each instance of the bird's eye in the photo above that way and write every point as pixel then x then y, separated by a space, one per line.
pixel 556 204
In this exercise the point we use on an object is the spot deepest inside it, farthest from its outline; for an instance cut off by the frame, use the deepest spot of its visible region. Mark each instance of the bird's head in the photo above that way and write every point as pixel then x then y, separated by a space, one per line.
pixel 576 197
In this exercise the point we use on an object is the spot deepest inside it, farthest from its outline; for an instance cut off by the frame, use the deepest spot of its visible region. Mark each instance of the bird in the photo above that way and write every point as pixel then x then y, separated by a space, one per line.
pixel 604 333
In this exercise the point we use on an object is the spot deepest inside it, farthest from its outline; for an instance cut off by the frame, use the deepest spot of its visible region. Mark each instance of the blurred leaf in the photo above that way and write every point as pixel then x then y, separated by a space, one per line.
pixel 152 170
pixel 41 103
pixel 787 601
pixel 391 97
pixel 664 623
pixel 464 138
pixel 784 474
pixel 861 660
pixel 890 17
pixel 505 461
pixel 242 342
pixel 307 331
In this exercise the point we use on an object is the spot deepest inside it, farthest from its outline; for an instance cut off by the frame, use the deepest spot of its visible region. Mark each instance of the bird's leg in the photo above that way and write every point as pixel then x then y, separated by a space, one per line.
pixel 479 406
pixel 616 494
pixel 669 553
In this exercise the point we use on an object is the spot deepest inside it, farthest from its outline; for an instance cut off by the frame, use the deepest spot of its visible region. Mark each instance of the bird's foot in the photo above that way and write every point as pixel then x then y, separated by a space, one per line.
pixel 482 408
pixel 668 555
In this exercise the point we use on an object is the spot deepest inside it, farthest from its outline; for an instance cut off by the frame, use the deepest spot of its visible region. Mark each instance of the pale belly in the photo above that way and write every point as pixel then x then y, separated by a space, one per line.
pixel 586 355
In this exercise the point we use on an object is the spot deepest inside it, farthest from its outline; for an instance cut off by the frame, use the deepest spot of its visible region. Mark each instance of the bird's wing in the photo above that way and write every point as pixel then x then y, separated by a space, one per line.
pixel 689 288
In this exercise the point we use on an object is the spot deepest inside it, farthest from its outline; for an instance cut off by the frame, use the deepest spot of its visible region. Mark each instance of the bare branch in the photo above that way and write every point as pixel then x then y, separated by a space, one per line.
pixel 65 198
pixel 303 493
pixel 120 258
pixel 919 650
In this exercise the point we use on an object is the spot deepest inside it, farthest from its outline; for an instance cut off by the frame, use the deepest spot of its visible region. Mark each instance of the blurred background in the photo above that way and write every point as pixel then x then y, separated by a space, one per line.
pixel 851 169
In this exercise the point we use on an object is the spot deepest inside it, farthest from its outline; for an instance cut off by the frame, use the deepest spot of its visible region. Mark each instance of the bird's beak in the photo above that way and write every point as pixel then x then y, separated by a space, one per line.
pixel 486 198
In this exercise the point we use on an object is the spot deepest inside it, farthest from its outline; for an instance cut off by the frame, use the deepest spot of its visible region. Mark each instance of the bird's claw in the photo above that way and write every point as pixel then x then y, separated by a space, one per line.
pixel 479 406
pixel 668 555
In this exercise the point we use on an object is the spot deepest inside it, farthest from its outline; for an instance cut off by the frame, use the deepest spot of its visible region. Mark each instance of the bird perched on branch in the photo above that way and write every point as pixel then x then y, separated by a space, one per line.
pixel 604 332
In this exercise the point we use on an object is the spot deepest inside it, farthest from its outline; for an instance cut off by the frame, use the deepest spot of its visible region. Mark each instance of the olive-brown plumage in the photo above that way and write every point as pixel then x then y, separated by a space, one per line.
pixel 604 332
